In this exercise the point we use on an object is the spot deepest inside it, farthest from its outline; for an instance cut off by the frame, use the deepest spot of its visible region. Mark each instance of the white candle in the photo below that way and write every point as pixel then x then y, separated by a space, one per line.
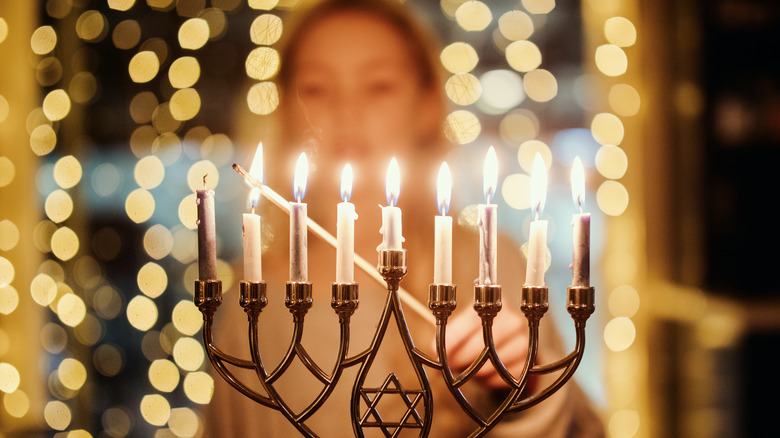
pixel 442 255
pixel 580 265
pixel 392 236
pixel 345 231
pixel 253 268
pixel 298 236
pixel 537 243
pixel 207 238
pixel 488 223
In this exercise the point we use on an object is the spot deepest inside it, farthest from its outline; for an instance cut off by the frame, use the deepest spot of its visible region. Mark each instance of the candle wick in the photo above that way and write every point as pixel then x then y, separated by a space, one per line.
pixel 579 203
pixel 536 211
pixel 204 181
pixel 253 209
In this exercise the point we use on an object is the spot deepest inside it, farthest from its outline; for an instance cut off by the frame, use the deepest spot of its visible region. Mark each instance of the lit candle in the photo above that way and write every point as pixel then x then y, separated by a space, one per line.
pixel 391 215
pixel 581 222
pixel 345 231
pixel 253 268
pixel 537 243
pixel 488 223
pixel 207 237
pixel 298 242
pixel 442 255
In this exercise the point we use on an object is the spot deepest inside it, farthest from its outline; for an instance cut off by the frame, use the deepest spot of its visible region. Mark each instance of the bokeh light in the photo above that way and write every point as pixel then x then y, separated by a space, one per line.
pixel 188 213
pixel 538 6
pixel 152 280
pixel 528 150
pixel 459 57
pixel 462 127
pixel 9 299
pixel 57 415
pixel 7 171
pixel 611 161
pixel 262 63
pixel 43 139
pixel 516 25
pixel 184 72
pixel 9 235
pixel 126 34
pixel 502 90
pixel 202 173
pixel 72 373
pixel 116 422
pixel 620 31
pixel 71 310
pixel 188 354
pixel 185 104
pixel 612 198
pixel 184 422
pixel 611 60
pixel 17 403
pixel 194 34
pixel 139 205
pixel 108 360
pixel 141 313
pixel 92 26
pixel 64 243
pixel 607 129
pixel 43 289
pixel 56 105
pixel 540 85
pixel 163 375
pixel 9 378
pixel 516 191
pixel 144 66
pixel 67 171
pixel 158 242
pixel 43 40
pixel 523 56
pixel 155 409
pixel 473 15
pixel 463 88
pixel 623 301
pixel 266 29
pixel 619 333
pixel 199 387
pixel 58 206
pixel 624 100
pixel 263 98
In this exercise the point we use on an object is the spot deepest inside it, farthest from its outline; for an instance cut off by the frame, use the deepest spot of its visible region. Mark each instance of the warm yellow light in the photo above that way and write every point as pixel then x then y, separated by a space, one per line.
pixel 57 415
pixel 515 25
pixel 72 373
pixel 185 104
pixel 43 139
pixel 459 57
pixel 108 360
pixel 3 29
pixel 184 422
pixel 540 85
pixel 167 146
pixel 67 172
pixel 17 403
pixel 91 26
pixel 619 333
pixel 152 280
pixel 9 235
pixel 444 188
pixel 8 170
pixel 266 29
pixel 473 15
pixel 490 175
pixel 186 318
pixel 301 177
pixel 624 100
pixel 538 185
pixel 578 183
pixel 121 5
pixel 141 313
pixel 126 34
pixel 263 98
pixel 199 387
pixel 611 60
pixel 188 354
pixel 611 161
pixel 217 148
pixel 347 178
pixel 528 151
pixel 158 242
pixel 620 31
pixel 623 301
pixel 56 105
pixel 612 198
pixel 149 172
pixel 624 423
pixel 58 206
pixel 184 72
pixel 463 88
pixel 519 126
pixel 188 214
pixel 262 63
pixel 462 127
pixel 144 66
pixel 523 55
pixel 193 34
pixel 139 205
pixel 393 182
pixel 516 189
pixel 9 299
pixel 43 289
pixel 64 243
pixel 43 40
pixel 164 375
pixel 71 310
pixel 155 409
pixel 538 6
pixel 9 378
pixel 607 129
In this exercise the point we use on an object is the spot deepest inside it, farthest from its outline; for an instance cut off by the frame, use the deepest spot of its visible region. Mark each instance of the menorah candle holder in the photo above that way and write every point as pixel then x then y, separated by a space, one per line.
pixel 418 400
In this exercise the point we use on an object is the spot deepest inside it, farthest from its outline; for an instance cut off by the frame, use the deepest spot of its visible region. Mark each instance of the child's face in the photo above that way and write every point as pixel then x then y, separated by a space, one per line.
pixel 356 89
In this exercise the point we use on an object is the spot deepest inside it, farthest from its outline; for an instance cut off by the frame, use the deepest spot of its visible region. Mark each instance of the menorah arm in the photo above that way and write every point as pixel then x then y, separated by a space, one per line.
pixel 290 355
pixel 218 362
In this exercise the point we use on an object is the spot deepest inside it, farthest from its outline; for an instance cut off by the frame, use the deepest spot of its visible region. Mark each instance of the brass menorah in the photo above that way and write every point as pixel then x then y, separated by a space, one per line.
pixel 442 302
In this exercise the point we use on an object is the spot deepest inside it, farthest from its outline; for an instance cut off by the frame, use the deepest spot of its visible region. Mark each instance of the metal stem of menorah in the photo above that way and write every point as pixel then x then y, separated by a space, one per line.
pixel 441 301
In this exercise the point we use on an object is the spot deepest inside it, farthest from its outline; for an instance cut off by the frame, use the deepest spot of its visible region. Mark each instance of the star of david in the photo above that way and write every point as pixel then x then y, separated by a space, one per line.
pixel 411 419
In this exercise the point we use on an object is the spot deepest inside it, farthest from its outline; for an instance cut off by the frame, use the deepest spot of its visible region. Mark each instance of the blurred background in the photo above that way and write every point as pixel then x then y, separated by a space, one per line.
pixel 111 112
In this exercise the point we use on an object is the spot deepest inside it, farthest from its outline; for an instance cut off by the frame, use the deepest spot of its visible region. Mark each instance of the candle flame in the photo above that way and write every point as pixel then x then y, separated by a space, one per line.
pixel 490 175
pixel 538 185
pixel 578 183
pixel 346 183
pixel 444 189
pixel 256 171
pixel 301 177
pixel 393 183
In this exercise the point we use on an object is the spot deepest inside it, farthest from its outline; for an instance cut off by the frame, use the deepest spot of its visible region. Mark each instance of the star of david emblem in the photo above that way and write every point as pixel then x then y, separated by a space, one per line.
pixel 411 398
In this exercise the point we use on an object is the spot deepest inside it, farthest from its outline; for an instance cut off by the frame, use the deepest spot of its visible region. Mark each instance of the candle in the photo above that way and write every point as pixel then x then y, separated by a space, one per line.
pixel 207 238
pixel 537 243
pixel 581 222
pixel 488 222
pixel 253 268
pixel 298 242
pixel 442 255
pixel 391 215
pixel 345 231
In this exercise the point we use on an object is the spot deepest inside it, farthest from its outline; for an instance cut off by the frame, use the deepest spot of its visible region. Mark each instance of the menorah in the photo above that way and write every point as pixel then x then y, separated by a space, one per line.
pixel 365 396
